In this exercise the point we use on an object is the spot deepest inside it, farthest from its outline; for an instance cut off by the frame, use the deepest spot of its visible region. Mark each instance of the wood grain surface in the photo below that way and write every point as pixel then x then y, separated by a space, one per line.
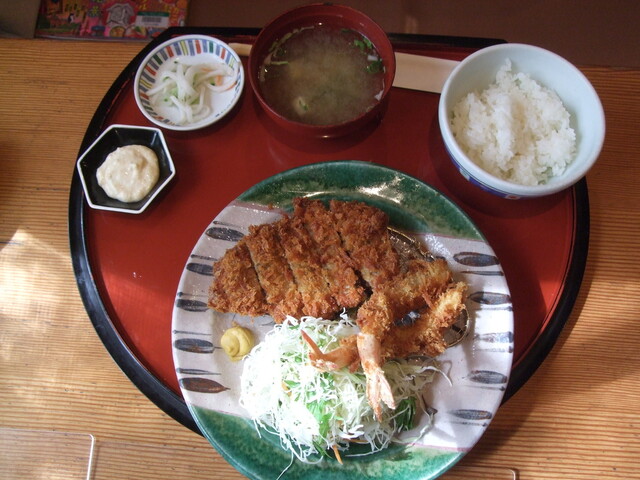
pixel 577 417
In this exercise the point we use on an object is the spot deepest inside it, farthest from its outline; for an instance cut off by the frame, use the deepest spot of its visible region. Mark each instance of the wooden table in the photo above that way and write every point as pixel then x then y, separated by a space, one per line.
pixel 577 417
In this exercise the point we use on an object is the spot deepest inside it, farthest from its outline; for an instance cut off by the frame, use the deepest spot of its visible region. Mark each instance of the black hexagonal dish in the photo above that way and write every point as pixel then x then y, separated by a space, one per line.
pixel 118 136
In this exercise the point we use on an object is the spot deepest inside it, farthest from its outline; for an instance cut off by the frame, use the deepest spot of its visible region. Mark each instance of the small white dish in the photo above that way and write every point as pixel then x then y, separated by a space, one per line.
pixel 118 136
pixel 189 49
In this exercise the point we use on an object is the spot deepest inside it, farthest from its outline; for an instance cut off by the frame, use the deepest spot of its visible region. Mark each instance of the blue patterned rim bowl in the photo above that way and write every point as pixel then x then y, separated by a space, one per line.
pixel 119 136
pixel 478 71
pixel 189 50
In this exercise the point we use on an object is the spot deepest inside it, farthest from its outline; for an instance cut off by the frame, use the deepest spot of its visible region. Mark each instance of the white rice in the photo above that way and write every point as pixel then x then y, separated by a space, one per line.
pixel 516 129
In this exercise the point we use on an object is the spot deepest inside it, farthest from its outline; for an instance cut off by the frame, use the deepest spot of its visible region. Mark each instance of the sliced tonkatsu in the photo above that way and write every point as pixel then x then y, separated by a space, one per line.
pixel 273 270
pixel 302 255
pixel 365 236
pixel 337 266
pixel 235 286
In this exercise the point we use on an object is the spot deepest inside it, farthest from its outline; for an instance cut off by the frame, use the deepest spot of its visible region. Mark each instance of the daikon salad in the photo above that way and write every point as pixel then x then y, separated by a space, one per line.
pixel 184 90
pixel 315 412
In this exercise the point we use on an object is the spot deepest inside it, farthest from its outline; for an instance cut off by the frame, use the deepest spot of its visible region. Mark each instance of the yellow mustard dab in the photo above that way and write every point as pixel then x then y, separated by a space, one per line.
pixel 237 342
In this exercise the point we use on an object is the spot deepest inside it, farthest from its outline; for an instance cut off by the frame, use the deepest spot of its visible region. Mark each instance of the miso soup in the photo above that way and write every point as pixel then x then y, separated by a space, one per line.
pixel 322 75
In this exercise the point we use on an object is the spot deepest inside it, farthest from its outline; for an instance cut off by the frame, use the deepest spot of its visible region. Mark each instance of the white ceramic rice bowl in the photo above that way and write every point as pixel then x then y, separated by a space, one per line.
pixel 478 71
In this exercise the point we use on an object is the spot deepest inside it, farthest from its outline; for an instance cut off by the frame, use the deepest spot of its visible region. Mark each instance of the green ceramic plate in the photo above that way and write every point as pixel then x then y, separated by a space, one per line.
pixel 478 367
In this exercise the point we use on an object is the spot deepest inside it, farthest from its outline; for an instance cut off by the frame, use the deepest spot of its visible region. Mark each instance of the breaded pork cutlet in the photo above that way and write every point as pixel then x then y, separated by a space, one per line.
pixel 274 274
pixel 235 286
pixel 301 254
pixel 339 274
pixel 364 234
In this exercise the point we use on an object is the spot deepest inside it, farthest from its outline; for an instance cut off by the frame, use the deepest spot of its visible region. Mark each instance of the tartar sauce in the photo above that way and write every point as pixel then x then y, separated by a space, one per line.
pixel 129 173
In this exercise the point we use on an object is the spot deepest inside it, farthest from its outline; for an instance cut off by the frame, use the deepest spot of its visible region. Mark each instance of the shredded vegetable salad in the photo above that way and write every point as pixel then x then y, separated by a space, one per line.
pixel 314 412
pixel 187 88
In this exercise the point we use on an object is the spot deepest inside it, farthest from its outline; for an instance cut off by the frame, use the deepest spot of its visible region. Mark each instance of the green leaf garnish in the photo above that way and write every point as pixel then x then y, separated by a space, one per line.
pixel 406 412
pixel 375 67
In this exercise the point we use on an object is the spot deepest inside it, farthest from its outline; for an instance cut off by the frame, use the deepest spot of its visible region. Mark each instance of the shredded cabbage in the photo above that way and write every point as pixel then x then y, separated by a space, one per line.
pixel 186 88
pixel 312 411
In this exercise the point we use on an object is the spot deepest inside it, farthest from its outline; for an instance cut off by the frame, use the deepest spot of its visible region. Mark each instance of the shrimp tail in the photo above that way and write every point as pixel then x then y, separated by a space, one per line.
pixel 378 388
pixel 346 355
pixel 364 349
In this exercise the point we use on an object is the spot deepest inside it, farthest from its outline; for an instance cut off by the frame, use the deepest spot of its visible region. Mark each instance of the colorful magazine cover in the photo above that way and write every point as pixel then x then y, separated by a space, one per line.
pixel 109 19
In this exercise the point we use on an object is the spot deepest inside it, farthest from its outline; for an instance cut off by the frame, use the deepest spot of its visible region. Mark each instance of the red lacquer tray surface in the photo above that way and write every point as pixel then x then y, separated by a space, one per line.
pixel 128 266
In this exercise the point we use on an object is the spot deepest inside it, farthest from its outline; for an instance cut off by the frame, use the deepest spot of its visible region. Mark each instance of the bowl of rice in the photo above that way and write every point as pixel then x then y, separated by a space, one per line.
pixel 520 121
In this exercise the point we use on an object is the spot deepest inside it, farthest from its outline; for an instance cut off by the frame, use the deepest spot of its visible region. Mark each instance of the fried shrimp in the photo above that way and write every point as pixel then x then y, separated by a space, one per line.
pixel 423 286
